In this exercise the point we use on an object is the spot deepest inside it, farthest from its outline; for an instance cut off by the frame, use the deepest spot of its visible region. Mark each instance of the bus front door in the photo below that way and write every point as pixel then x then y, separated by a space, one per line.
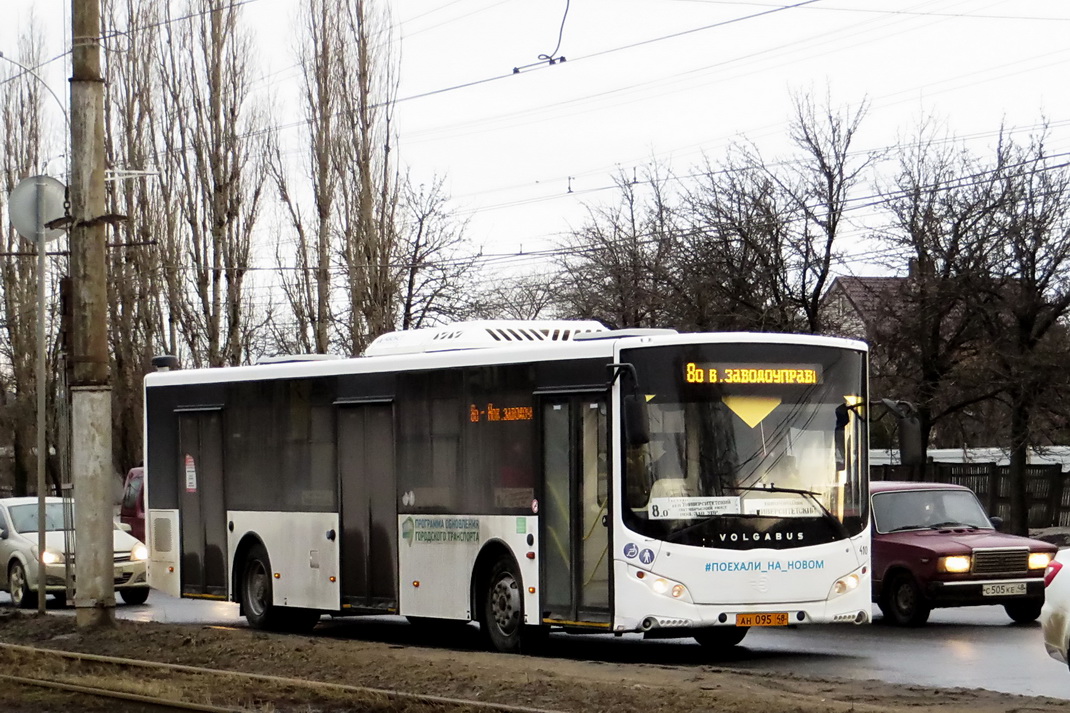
pixel 200 497
pixel 574 510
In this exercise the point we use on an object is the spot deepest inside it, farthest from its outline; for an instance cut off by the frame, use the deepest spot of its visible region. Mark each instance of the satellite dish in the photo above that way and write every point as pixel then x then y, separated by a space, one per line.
pixel 35 202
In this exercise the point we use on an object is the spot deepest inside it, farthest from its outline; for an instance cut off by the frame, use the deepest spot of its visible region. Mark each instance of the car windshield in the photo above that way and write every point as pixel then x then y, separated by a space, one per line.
pixel 925 509
pixel 24 517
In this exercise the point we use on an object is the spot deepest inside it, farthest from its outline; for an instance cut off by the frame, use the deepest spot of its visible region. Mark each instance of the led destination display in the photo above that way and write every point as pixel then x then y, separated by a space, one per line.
pixel 705 373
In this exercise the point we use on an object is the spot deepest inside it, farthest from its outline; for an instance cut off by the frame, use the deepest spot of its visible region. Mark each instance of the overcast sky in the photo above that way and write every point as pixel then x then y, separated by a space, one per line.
pixel 668 80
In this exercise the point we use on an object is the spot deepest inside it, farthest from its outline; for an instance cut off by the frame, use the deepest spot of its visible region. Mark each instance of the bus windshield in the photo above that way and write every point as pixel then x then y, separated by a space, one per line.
pixel 751 445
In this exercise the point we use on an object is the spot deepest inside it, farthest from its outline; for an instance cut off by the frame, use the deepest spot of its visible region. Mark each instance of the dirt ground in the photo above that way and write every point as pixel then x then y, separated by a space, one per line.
pixel 561 681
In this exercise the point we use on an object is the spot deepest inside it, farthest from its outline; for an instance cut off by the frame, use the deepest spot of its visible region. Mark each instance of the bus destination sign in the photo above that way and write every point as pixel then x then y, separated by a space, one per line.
pixel 789 374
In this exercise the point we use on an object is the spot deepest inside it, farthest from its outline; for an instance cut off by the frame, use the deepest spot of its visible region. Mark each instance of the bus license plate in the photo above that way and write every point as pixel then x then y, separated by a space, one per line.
pixel 779 618
pixel 1002 590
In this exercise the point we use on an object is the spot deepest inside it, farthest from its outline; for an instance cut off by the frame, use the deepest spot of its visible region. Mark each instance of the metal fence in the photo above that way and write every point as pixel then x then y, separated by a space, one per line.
pixel 1047 487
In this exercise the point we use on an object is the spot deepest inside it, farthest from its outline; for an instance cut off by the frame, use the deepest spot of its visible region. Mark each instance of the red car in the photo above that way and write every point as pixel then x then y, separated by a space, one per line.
pixel 935 546
pixel 132 509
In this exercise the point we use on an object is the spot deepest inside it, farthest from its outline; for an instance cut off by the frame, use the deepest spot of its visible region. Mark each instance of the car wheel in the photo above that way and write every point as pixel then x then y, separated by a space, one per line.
pixel 21 596
pixel 720 638
pixel 1023 611
pixel 135 596
pixel 902 602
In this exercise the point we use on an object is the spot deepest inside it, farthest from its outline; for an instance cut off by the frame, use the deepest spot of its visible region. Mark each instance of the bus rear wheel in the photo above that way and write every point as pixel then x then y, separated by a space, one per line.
pixel 257 601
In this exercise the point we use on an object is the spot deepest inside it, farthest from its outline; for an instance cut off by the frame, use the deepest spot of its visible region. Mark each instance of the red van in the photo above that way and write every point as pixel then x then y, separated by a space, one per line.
pixel 132 510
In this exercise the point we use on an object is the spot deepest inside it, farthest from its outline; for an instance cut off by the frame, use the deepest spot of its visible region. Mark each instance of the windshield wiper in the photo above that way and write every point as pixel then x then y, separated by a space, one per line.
pixel 825 513
pixel 953 524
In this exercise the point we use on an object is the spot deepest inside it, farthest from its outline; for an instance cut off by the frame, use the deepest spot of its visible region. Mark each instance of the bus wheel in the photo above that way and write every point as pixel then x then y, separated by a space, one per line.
pixel 260 611
pixel 720 637
pixel 503 608
pixel 256 589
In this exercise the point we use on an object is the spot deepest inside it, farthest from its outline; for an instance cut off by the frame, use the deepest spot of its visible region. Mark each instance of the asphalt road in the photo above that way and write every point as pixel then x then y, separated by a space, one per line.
pixel 976 647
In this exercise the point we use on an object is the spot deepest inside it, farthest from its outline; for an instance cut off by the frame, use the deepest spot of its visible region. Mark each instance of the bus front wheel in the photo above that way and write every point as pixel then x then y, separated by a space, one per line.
pixel 720 637
pixel 503 608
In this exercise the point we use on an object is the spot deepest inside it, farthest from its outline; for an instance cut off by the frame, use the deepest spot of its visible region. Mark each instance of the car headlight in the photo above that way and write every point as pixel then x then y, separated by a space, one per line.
pixel 50 557
pixel 139 553
pixel 1039 560
pixel 955 563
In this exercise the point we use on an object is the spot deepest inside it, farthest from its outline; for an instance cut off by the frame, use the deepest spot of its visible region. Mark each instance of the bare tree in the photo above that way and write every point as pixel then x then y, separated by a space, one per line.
pixel 615 267
pixel 1028 295
pixel 927 333
pixel 134 266
pixel 733 273
pixel 308 286
pixel 24 133
pixel 763 237
pixel 533 295
pixel 433 260
pixel 215 170
pixel 366 174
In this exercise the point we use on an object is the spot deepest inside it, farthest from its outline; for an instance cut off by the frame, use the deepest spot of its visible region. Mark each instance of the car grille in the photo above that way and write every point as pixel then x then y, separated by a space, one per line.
pixel 1001 561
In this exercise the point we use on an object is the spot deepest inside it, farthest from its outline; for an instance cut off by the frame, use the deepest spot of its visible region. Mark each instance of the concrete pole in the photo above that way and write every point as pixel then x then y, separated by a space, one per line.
pixel 91 455
pixel 41 422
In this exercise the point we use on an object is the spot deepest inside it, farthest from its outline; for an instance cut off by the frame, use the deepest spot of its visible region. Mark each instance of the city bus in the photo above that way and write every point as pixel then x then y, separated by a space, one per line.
pixel 528 476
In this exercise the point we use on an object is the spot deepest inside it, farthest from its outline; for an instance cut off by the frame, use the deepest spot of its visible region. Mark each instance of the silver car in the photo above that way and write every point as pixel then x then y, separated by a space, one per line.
pixel 18 554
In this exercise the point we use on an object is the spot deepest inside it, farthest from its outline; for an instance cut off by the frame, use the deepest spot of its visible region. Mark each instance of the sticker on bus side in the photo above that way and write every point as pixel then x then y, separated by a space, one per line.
pixel 191 474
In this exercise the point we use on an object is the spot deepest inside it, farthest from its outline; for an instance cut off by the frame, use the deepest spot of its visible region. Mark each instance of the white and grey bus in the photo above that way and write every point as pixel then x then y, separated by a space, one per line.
pixel 526 475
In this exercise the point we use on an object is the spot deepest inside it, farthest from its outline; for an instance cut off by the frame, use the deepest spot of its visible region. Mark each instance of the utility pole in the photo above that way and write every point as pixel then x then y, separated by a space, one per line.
pixel 91 456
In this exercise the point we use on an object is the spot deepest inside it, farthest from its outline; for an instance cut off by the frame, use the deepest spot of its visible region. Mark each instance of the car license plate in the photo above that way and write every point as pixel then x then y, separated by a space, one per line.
pixel 779 618
pixel 1003 590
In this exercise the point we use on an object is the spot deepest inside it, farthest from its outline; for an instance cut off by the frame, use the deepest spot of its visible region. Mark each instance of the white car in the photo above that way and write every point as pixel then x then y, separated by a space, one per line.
pixel 1055 615
pixel 18 553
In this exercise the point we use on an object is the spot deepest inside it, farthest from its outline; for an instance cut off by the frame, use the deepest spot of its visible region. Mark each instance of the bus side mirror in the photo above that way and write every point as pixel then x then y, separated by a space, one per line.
pixel 636 420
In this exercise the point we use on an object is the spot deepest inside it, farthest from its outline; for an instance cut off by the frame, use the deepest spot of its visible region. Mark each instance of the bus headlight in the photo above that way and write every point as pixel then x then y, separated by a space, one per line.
pixel 663 586
pixel 847 583
pixel 139 553
pixel 956 564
